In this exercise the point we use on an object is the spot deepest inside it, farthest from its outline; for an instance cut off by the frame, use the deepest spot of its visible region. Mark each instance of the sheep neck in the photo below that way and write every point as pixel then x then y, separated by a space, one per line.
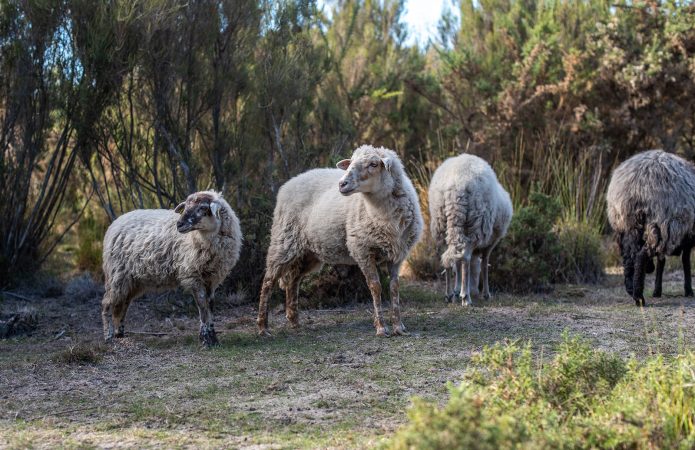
pixel 378 204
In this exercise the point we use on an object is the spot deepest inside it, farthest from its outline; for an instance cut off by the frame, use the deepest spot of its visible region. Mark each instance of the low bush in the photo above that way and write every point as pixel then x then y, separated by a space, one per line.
pixel 581 258
pixel 540 249
pixel 526 258
pixel 581 398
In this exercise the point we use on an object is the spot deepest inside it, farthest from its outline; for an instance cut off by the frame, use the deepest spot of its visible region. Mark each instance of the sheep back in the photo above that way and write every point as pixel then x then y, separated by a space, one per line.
pixel 653 189
pixel 468 206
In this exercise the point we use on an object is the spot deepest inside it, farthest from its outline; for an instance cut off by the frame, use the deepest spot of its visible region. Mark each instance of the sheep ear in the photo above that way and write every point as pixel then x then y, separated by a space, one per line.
pixel 387 162
pixel 215 208
pixel 179 209
pixel 344 164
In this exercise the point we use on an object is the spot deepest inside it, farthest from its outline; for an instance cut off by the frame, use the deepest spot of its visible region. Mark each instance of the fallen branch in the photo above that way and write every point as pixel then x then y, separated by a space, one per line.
pixel 151 333
pixel 19 296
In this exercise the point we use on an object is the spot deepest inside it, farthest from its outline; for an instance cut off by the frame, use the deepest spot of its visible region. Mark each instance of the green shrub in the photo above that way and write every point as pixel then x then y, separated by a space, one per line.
pixel 525 259
pixel 582 398
pixel 540 249
pixel 581 257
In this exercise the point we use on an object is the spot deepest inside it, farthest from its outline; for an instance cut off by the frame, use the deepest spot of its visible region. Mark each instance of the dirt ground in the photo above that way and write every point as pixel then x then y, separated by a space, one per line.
pixel 331 383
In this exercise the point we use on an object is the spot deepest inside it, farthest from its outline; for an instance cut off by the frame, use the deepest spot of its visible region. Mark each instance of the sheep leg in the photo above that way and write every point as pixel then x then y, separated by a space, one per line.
pixel 466 277
pixel 687 281
pixel 484 265
pixel 458 270
pixel 475 275
pixel 207 334
pixel 396 322
pixel 447 293
pixel 291 300
pixel 638 280
pixel 372 276
pixel 660 263
pixel 266 289
pixel 106 320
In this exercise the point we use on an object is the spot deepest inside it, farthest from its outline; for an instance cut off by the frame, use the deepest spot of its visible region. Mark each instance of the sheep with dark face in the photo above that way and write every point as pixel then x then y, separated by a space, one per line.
pixel 195 246
pixel 651 208
pixel 364 213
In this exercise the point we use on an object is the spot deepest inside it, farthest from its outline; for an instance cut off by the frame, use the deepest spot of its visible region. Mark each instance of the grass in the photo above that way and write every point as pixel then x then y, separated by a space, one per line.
pixel 331 383
pixel 581 398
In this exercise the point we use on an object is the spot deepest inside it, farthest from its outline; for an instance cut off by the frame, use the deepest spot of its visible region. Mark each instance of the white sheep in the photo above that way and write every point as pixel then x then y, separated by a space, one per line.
pixel 195 246
pixel 365 214
pixel 470 212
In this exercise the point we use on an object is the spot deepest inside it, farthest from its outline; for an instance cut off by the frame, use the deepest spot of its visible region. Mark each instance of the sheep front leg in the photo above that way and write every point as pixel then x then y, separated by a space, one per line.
pixel 466 277
pixel 396 322
pixel 687 280
pixel 458 270
pixel 207 335
pixel 372 276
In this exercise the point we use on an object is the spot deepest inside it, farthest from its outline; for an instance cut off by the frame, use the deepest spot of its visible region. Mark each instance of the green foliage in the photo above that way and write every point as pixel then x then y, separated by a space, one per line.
pixel 581 398
pixel 90 235
pixel 526 258
pixel 581 255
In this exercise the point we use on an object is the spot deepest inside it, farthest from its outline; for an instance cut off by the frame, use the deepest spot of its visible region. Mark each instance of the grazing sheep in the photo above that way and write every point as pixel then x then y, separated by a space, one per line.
pixel 651 208
pixel 194 247
pixel 364 214
pixel 470 212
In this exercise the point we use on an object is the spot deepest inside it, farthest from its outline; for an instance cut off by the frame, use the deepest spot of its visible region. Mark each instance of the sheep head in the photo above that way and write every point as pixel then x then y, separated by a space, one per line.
pixel 200 211
pixel 368 171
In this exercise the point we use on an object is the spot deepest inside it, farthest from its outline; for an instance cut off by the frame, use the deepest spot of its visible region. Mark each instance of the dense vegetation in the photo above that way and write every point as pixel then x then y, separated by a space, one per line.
pixel 111 106
pixel 582 398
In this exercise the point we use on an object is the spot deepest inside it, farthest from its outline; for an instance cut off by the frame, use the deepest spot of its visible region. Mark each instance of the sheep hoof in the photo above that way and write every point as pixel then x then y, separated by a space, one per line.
pixel 294 323
pixel 656 294
pixel 689 293
pixel 449 298
pixel 487 296
pixel 466 301
pixel 383 332
pixel 399 330
pixel 263 332
pixel 639 301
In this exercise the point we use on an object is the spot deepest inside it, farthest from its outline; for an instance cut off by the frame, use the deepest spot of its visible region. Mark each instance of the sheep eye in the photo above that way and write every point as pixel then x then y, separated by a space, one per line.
pixel 373 164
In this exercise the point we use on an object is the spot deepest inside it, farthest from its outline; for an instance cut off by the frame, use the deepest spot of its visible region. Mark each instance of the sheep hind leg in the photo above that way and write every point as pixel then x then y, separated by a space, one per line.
pixel 484 265
pixel 687 280
pixel 119 308
pixel 466 277
pixel 394 286
pixel 106 316
pixel 292 280
pixel 641 261
pixel 372 276
pixel 475 275
pixel 658 278
pixel 266 289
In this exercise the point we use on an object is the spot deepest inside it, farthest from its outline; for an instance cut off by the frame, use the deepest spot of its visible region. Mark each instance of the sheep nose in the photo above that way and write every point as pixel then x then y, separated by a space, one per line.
pixel 342 184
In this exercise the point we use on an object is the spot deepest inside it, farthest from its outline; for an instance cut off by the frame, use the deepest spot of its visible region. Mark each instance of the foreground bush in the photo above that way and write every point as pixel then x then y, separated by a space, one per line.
pixel 582 398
